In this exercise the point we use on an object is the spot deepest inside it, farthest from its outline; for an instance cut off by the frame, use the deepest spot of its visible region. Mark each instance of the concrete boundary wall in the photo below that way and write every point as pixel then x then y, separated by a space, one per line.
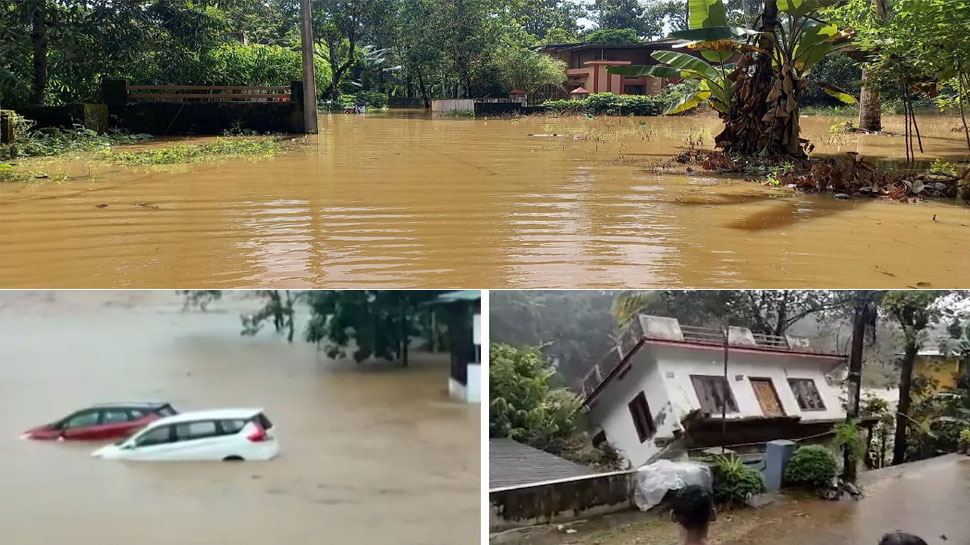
pixel 560 500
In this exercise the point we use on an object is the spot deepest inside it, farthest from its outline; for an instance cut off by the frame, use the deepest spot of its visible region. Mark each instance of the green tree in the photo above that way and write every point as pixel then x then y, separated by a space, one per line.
pixel 524 405
pixel 913 311
pixel 371 323
pixel 616 14
pixel 542 17
pixel 342 26
pixel 529 69
pixel 771 312
pixel 613 36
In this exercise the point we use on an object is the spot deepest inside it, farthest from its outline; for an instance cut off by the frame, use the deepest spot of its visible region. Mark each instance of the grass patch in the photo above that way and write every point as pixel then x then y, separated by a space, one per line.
pixel 52 141
pixel 225 146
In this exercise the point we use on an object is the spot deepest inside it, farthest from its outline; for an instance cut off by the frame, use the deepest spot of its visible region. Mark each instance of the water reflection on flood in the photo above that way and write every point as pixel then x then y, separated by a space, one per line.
pixel 403 200
pixel 369 455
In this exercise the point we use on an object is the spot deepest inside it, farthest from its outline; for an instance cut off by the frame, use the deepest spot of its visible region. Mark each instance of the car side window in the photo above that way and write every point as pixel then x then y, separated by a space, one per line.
pixel 230 427
pixel 114 416
pixel 157 436
pixel 195 430
pixel 135 414
pixel 82 420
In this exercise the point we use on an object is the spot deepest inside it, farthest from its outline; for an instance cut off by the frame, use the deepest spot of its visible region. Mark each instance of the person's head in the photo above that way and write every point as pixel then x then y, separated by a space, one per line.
pixel 694 510
pixel 901 538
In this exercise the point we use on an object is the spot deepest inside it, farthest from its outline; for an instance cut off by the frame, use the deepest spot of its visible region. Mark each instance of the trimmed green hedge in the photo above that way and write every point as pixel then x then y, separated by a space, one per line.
pixel 609 104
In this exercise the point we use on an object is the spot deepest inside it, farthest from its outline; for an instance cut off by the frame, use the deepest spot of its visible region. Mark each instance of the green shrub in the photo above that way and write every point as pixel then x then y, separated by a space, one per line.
pixel 373 99
pixel 609 104
pixel 733 481
pixel 813 466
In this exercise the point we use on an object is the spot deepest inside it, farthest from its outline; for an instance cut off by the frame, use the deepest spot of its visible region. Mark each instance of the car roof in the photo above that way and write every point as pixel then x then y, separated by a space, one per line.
pixel 212 414
pixel 132 404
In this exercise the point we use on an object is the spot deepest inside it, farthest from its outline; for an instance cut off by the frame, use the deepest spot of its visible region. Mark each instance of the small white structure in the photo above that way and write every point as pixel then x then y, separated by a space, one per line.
pixel 670 383
pixel 461 311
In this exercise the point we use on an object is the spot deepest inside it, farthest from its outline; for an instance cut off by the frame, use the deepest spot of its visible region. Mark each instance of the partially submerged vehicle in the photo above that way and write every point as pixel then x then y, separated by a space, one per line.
pixel 104 421
pixel 213 435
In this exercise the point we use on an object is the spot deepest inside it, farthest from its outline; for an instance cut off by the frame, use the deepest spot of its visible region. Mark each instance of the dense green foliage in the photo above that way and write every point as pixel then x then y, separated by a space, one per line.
pixel 811 466
pixel 524 405
pixel 371 323
pixel 733 481
pixel 613 36
pixel 609 104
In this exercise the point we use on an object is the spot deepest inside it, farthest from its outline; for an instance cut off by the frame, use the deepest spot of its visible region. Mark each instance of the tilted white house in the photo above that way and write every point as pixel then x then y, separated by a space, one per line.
pixel 664 390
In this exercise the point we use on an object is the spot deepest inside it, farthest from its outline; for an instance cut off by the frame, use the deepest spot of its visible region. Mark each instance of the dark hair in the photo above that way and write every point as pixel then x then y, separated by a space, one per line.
pixel 693 507
pixel 901 538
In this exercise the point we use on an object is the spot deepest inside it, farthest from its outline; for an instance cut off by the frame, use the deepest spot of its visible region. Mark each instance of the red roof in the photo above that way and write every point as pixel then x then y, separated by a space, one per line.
pixel 518 91
pixel 579 91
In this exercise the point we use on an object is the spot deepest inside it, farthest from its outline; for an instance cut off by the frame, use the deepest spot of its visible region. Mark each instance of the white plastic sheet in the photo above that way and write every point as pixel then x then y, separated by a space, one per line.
pixel 653 481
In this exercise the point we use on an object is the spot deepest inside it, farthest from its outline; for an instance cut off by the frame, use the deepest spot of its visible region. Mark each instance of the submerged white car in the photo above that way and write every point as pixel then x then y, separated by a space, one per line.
pixel 222 434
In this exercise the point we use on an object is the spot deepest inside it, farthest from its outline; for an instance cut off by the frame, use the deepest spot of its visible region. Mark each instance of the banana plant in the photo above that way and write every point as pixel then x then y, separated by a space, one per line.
pixel 798 44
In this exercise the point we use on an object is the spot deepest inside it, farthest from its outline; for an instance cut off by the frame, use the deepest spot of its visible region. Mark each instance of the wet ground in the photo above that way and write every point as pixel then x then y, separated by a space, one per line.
pixel 373 454
pixel 927 498
pixel 401 200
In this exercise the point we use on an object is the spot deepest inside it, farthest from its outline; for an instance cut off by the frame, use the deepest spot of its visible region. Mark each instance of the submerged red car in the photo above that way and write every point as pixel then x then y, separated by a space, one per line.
pixel 105 421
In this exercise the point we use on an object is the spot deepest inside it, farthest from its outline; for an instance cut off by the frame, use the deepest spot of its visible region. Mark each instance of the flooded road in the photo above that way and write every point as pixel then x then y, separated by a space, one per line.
pixel 369 455
pixel 926 498
pixel 400 200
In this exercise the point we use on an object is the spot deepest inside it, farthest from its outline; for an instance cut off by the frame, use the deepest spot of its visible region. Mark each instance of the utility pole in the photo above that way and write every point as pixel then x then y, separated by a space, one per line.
pixel 309 78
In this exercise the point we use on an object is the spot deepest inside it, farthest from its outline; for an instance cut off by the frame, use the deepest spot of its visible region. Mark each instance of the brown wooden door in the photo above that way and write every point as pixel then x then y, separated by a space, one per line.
pixel 764 390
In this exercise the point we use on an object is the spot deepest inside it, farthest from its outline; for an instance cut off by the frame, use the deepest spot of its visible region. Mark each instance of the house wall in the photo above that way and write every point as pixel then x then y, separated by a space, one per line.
pixel 611 412
pixel 662 371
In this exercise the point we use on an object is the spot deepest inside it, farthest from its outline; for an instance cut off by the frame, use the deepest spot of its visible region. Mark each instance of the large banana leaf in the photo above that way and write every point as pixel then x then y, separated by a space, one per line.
pixel 684 61
pixel 706 13
pixel 688 102
pixel 801 8
pixel 840 94
pixel 712 34
pixel 817 41
pixel 716 44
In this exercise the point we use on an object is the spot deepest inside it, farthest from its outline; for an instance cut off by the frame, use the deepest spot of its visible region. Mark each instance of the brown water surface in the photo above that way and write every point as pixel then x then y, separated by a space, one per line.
pixel 399 199
pixel 369 455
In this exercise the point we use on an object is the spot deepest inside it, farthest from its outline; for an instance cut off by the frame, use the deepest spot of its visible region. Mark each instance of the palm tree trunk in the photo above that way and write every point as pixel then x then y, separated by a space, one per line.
pixel 902 409
pixel 38 38
pixel 870 114
pixel 751 82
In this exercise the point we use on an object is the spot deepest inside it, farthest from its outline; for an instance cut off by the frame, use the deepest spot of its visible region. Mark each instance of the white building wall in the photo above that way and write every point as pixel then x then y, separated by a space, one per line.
pixel 611 412
pixel 663 372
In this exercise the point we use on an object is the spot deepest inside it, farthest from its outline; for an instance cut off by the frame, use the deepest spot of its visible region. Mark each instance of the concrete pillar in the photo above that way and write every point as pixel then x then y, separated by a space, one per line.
pixel 777 454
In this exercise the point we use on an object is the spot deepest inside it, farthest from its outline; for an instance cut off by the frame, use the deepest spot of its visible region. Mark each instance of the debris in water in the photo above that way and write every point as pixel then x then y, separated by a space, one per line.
pixel 843 196
pixel 102 205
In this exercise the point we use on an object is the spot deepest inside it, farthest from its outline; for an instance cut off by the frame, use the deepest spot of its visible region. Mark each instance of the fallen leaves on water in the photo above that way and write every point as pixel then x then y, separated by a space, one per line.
pixel 853 174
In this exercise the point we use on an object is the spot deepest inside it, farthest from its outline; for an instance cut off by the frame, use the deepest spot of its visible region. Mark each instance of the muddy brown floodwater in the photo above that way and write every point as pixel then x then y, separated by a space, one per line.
pixel 927 498
pixel 369 455
pixel 399 200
